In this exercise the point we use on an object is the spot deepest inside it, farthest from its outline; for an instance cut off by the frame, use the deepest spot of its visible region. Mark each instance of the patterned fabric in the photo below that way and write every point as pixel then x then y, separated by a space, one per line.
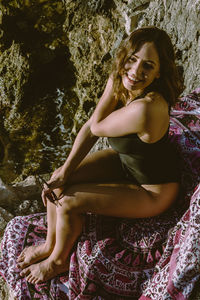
pixel 114 258
pixel 22 232
pixel 178 269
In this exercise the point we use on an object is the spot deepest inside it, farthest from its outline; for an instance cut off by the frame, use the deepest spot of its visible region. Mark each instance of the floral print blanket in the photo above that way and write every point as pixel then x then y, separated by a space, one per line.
pixel 154 258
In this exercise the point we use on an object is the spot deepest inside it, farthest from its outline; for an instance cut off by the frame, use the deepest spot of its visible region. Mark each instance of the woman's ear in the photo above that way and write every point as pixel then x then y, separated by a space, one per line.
pixel 158 75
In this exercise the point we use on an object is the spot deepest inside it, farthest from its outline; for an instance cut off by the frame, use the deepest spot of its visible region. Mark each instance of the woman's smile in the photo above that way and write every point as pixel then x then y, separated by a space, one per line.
pixel 141 68
pixel 132 80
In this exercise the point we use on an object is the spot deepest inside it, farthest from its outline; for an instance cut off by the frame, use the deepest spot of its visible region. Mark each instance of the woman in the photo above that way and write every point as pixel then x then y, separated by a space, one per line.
pixel 139 177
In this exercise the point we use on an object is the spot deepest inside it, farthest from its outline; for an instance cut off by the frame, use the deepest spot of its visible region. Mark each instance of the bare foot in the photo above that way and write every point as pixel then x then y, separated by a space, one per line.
pixel 33 254
pixel 44 270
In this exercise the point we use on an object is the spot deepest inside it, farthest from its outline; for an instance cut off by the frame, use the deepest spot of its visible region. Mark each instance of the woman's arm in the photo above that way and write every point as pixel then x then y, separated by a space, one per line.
pixel 123 121
pixel 106 104
pixel 83 142
pixel 85 138
pixel 144 115
pixel 82 145
pixel 107 121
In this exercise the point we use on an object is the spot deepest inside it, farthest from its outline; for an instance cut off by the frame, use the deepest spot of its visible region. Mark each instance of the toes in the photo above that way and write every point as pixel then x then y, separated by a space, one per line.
pixel 25 272
pixel 37 281
pixel 31 279
pixel 19 265
pixel 34 281
pixel 21 257
pixel 22 265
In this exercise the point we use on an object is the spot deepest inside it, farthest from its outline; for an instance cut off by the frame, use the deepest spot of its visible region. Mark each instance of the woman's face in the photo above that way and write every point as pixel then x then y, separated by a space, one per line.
pixel 141 68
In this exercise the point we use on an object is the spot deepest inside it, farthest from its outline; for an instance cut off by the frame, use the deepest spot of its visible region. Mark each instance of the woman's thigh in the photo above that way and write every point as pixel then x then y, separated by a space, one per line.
pixel 100 166
pixel 119 199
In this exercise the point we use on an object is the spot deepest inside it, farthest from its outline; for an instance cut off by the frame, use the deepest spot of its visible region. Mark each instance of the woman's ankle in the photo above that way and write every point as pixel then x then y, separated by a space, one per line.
pixel 59 261
pixel 49 246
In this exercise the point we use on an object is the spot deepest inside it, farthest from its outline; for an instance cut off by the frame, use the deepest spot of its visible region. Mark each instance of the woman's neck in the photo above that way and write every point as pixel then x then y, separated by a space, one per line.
pixel 132 95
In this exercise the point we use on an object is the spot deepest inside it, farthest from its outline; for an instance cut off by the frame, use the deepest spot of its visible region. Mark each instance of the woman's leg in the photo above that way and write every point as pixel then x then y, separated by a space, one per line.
pixel 98 166
pixel 117 199
pixel 36 253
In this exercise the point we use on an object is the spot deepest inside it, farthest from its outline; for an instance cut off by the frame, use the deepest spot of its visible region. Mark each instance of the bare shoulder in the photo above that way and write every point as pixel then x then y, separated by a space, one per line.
pixel 152 101
pixel 155 98
pixel 153 107
pixel 156 117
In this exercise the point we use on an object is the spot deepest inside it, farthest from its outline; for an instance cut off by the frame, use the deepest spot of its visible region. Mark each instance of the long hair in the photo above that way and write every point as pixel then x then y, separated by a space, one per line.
pixel 169 84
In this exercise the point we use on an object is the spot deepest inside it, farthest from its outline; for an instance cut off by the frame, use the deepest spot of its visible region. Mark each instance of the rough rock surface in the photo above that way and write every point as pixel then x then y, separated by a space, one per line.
pixel 55 57
pixel 7 195
pixel 5 217
pixel 36 76
pixel 21 198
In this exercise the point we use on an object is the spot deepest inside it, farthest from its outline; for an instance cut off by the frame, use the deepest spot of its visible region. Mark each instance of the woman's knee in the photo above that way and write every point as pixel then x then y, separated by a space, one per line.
pixel 68 204
pixel 58 192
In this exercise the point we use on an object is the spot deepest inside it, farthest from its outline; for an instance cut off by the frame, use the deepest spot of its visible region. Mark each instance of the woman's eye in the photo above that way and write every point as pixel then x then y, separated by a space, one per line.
pixel 132 59
pixel 148 66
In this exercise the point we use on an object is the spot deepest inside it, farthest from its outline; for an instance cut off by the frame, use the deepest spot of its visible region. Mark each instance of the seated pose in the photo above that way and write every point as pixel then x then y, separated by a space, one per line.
pixel 138 177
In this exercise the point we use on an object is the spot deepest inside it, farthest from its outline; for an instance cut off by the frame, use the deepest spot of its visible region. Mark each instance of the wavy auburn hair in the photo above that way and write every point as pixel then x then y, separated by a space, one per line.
pixel 169 84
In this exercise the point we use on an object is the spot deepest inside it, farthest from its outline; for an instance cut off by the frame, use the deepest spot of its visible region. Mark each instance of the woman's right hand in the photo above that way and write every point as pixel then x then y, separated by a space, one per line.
pixel 57 181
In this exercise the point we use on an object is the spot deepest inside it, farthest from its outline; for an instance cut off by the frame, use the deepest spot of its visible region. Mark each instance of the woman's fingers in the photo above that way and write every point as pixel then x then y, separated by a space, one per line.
pixel 46 196
pixel 49 195
pixel 56 182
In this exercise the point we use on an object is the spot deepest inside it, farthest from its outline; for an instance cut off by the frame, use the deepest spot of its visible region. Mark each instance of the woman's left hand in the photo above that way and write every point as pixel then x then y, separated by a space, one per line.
pixel 52 191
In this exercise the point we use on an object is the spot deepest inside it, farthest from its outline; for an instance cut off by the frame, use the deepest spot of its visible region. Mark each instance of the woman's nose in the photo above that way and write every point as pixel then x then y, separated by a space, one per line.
pixel 136 69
